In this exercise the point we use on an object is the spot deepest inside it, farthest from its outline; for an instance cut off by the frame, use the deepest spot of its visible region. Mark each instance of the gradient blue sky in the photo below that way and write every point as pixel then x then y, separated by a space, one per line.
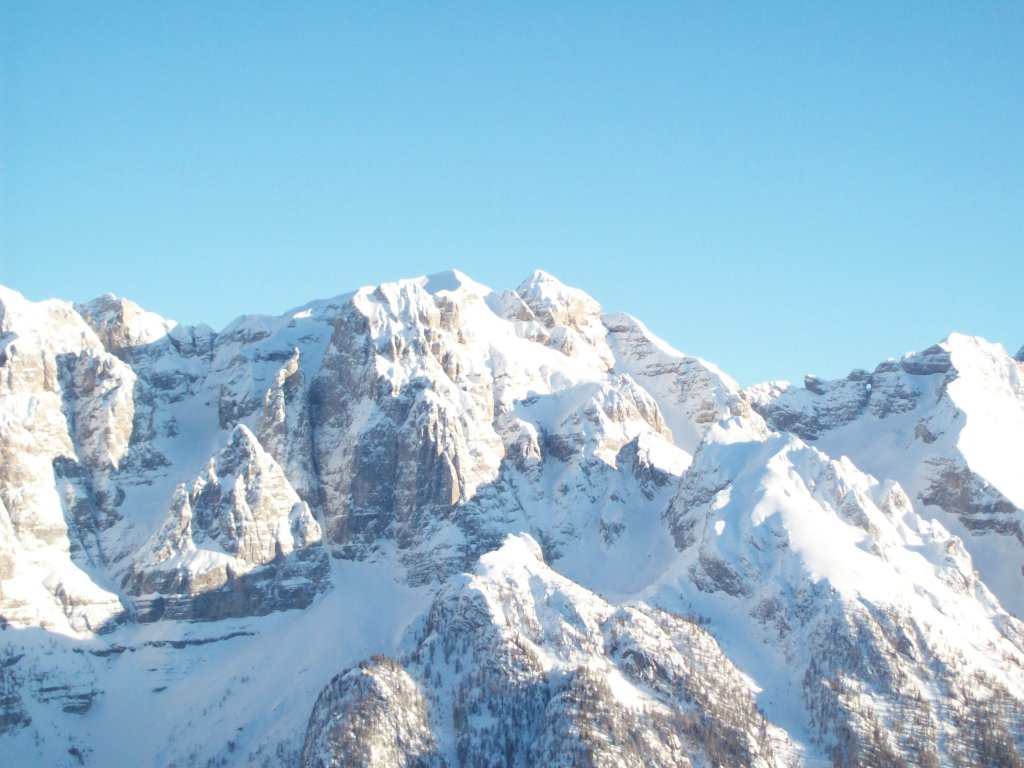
pixel 781 188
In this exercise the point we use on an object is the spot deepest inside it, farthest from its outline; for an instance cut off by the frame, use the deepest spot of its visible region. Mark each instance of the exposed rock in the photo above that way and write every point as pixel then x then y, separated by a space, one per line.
pixel 929 420
pixel 520 664
pixel 13 714
pixel 817 554
pixel 239 542
pixel 979 505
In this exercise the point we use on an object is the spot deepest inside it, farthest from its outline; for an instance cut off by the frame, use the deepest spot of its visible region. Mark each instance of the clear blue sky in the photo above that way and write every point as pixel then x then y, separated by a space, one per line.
pixel 778 187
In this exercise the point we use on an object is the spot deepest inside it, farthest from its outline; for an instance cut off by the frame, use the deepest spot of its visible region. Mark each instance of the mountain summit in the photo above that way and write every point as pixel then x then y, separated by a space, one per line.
pixel 429 523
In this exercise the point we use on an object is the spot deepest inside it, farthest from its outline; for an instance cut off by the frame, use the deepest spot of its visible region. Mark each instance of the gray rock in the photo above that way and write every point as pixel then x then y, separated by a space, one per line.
pixel 512 665
pixel 239 542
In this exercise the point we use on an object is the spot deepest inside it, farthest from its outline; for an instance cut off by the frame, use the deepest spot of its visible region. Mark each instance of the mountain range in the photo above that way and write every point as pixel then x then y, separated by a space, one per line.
pixel 428 523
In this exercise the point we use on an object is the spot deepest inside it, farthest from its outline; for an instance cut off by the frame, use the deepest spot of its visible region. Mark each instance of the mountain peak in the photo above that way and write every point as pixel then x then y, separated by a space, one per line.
pixel 451 281
pixel 552 299
pixel 546 513
pixel 545 285
pixel 540 276
pixel 121 323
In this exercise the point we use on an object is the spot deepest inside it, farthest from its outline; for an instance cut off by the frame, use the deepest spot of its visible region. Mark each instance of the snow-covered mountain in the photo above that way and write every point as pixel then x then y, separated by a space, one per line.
pixel 429 523
pixel 947 424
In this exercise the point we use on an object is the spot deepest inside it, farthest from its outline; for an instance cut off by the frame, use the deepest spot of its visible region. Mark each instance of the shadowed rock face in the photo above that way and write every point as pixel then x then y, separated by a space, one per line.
pixel 165 474
pixel 396 415
pixel 238 542
pixel 13 715
pixel 828 405
pixel 224 593
pixel 423 414
pixel 979 505
pixel 66 412
pixel 430 411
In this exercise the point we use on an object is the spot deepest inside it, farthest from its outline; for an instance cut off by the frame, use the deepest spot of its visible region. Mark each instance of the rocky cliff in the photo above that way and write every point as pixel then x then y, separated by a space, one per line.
pixel 429 523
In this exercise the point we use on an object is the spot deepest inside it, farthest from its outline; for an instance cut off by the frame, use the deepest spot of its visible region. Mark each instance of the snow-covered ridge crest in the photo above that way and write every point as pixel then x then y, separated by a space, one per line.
pixel 832 574
pixel 947 423
pixel 573 680
pixel 543 531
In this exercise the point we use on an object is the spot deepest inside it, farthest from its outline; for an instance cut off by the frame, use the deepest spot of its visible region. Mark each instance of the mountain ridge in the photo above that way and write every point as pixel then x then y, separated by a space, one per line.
pixel 223 489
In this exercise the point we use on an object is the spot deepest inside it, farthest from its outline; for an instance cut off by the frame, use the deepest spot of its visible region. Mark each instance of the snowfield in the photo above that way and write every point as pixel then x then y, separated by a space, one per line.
pixel 429 523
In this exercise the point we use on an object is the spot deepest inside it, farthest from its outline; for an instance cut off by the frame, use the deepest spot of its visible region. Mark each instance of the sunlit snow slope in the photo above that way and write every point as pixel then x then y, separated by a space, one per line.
pixel 430 523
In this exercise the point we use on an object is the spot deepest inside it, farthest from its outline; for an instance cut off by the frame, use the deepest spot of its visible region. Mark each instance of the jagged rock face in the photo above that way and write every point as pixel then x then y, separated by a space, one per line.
pixel 399 404
pixel 124 328
pixel 891 389
pixel 827 554
pixel 202 483
pixel 947 424
pixel 285 428
pixel 694 394
pixel 518 665
pixel 445 413
pixel 240 542
pixel 65 412
pixel 433 415
pixel 570 318
pixel 93 399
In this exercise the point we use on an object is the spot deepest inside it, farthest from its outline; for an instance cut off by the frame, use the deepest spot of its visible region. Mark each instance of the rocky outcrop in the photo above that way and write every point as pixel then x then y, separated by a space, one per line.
pixel 373 716
pixel 978 504
pixel 692 393
pixel 518 664
pixel 285 428
pixel 65 418
pixel 404 415
pixel 944 423
pixel 570 318
pixel 13 714
pixel 819 557
pixel 238 542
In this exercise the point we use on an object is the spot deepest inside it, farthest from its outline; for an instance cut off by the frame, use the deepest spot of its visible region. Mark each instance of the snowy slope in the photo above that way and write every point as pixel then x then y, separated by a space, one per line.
pixel 948 425
pixel 852 612
pixel 517 665
pixel 457 523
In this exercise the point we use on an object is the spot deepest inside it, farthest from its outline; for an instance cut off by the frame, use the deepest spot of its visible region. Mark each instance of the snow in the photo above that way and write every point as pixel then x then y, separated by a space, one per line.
pixel 975 414
pixel 790 516
pixel 990 392
pixel 251 681
pixel 538 403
